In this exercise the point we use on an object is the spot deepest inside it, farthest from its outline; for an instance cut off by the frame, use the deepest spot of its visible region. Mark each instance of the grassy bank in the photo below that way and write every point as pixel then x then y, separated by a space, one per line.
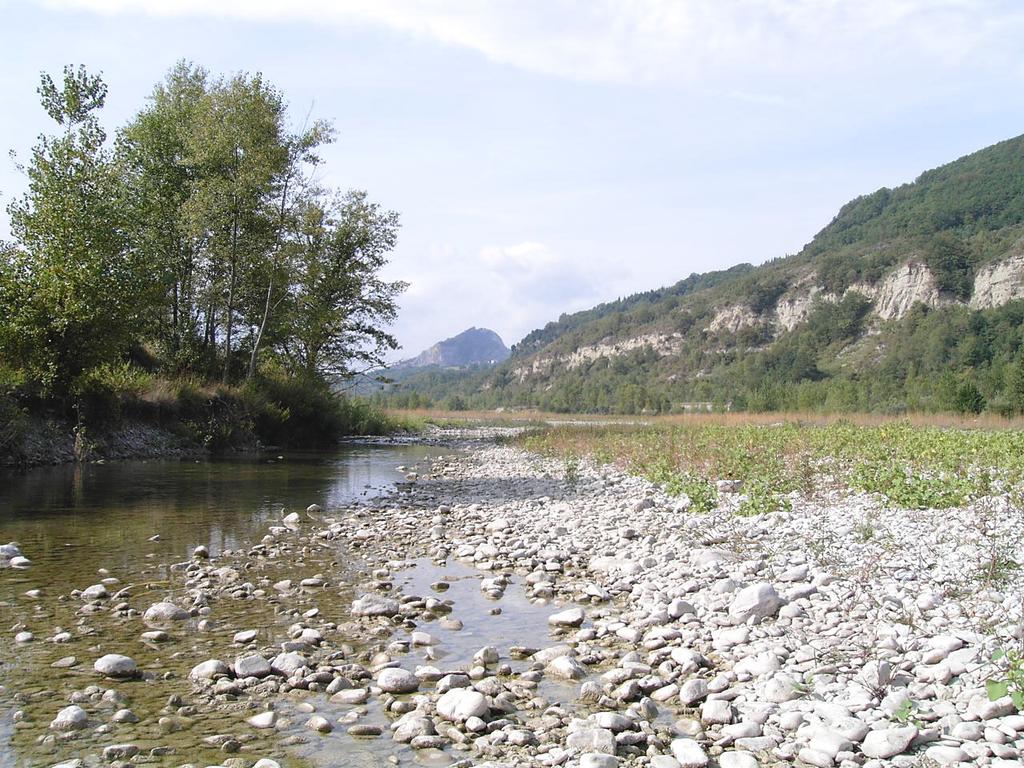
pixel 914 465
pixel 120 406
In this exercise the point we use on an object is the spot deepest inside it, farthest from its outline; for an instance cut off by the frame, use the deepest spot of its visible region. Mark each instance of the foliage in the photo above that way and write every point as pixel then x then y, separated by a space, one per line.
pixel 71 286
pixel 912 467
pixel 199 248
pixel 338 303
pixel 1011 680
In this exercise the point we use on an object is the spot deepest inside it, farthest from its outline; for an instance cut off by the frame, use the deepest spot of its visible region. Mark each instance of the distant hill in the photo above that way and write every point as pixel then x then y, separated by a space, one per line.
pixel 909 299
pixel 438 368
pixel 472 347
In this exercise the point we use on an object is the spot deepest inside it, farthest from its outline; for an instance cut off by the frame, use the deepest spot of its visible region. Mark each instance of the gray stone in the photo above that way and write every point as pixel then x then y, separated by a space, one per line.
pixel 252 665
pixel 460 704
pixel 397 680
pixel 592 740
pixel 572 617
pixel 161 614
pixel 567 668
pixel 375 605
pixel 288 663
pixel 210 670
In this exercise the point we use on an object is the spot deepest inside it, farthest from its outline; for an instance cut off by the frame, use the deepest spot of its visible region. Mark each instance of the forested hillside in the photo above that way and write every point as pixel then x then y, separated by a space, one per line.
pixel 909 299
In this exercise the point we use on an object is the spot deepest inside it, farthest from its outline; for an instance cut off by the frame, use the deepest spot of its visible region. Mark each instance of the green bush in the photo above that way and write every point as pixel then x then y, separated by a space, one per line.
pixel 101 393
pixel 301 412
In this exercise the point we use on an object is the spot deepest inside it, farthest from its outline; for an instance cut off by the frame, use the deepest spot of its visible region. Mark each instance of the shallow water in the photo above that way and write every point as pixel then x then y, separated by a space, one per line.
pixel 81 525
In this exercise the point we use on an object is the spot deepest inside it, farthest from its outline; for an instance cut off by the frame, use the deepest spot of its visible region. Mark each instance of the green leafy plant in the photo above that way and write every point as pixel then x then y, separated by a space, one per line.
pixel 1011 680
pixel 572 470
pixel 905 713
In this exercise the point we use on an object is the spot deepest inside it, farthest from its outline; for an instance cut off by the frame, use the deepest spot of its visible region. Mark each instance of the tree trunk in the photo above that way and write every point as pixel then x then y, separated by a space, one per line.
pixel 259 334
pixel 232 282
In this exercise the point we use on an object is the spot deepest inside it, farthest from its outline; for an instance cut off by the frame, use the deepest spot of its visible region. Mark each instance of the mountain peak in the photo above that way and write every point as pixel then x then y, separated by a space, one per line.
pixel 473 347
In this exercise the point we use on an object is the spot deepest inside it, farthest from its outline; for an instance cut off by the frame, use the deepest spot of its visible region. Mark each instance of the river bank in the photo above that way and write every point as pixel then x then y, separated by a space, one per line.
pixel 607 624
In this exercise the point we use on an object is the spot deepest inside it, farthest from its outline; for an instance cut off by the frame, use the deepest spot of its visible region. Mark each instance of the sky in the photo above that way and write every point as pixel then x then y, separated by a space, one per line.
pixel 548 155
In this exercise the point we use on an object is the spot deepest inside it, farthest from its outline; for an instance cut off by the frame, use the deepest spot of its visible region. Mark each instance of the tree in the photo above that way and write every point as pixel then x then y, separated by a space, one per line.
pixel 71 285
pixel 339 302
pixel 152 155
pixel 216 176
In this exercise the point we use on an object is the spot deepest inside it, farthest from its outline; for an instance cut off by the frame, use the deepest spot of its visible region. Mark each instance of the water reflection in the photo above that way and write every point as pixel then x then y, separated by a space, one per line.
pixel 72 521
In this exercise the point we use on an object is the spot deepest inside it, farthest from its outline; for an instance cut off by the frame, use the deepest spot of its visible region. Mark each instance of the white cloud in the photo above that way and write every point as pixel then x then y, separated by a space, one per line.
pixel 658 40
pixel 510 289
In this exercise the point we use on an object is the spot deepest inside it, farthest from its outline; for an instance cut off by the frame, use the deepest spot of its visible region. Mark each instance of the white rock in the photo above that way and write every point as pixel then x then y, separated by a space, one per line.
pixel 115 665
pixel 71 718
pixel 598 760
pixel 782 688
pixel 693 690
pixel 737 760
pixel 572 617
pixel 688 753
pixel 944 755
pixel 716 712
pixel 888 742
pixel 209 670
pixel 375 605
pixel 586 739
pixel 460 704
pixel 95 592
pixel 758 601
pixel 567 668
pixel 319 724
pixel 288 663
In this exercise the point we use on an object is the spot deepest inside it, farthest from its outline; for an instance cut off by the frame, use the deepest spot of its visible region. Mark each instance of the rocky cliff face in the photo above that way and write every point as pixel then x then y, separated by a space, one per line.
pixel 999 283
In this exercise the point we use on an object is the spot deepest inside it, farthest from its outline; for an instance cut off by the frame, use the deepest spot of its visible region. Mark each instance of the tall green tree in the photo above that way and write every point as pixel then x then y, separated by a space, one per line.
pixel 218 175
pixel 71 286
pixel 340 306
pixel 153 157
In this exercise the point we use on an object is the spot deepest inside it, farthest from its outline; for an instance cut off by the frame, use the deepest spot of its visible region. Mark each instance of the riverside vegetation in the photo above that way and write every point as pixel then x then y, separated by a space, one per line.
pixel 191 273
pixel 915 467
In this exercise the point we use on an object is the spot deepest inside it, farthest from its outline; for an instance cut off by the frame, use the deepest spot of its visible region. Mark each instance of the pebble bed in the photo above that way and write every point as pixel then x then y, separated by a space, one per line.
pixel 840 632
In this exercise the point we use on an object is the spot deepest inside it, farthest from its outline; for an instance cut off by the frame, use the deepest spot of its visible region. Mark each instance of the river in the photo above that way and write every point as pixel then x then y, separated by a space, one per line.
pixel 125 525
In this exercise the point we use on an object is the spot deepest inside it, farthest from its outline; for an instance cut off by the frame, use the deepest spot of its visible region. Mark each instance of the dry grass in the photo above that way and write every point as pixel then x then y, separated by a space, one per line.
pixel 517 417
